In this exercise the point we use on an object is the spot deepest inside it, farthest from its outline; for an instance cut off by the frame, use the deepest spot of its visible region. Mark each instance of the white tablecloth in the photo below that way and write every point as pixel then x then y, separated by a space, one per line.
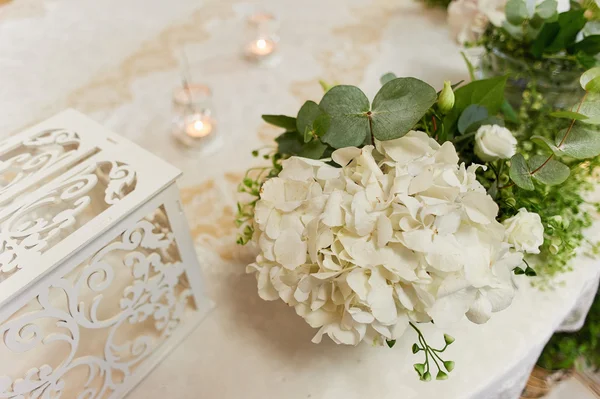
pixel 118 61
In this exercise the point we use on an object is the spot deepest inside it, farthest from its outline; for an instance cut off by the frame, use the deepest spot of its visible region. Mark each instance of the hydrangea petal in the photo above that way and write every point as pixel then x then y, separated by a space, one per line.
pixel 451 308
pixel 380 298
pixel 290 250
pixel 480 310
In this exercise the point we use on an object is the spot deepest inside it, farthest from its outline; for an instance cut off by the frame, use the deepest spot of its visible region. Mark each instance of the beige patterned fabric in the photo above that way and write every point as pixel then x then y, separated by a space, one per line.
pixel 118 61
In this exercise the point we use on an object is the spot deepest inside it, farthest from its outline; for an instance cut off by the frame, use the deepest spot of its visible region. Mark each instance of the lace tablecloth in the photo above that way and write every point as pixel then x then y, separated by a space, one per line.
pixel 117 61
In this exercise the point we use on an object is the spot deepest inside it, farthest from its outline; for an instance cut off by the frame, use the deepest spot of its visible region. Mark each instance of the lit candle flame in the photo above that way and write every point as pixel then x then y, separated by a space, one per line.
pixel 198 125
pixel 261 43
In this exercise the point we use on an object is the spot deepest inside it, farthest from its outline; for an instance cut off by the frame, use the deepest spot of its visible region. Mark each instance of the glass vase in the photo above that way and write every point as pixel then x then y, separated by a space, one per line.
pixel 558 81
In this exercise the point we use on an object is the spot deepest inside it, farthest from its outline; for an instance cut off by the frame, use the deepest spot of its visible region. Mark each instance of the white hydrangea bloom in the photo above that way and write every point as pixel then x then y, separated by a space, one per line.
pixel 398 233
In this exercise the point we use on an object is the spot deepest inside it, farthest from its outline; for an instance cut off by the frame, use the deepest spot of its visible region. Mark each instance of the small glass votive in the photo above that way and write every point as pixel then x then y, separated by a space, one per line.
pixel 192 97
pixel 196 131
pixel 194 125
pixel 262 38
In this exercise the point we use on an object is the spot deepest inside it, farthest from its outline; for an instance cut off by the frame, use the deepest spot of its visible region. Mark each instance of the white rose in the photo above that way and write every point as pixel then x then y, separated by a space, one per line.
pixel 525 231
pixel 494 142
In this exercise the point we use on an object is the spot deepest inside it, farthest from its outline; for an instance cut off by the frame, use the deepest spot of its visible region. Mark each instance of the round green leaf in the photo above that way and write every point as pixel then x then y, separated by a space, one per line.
pixel 546 9
pixel 590 80
pixel 399 105
pixel 591 109
pixel 472 114
pixel 289 143
pixel 546 141
pixel 347 107
pixel 387 77
pixel 313 150
pixel 552 173
pixel 306 116
pixel 581 143
pixel 519 172
pixel 321 124
pixel 516 12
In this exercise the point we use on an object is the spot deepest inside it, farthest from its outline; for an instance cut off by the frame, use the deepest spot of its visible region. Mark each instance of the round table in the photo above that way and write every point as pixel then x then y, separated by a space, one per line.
pixel 118 61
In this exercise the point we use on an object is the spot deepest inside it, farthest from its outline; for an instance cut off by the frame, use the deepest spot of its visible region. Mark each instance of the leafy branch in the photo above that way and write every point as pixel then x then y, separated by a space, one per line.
pixel 250 186
pixel 577 141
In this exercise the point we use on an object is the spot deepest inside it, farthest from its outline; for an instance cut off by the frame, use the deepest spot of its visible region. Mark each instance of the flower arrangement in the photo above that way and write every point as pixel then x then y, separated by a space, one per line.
pixel 367 210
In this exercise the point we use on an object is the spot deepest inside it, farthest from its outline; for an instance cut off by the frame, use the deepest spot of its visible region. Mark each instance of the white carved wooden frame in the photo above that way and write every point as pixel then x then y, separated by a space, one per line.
pixel 89 305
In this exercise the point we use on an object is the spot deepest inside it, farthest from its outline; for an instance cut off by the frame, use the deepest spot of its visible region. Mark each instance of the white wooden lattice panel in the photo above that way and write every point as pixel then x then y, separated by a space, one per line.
pixel 98 275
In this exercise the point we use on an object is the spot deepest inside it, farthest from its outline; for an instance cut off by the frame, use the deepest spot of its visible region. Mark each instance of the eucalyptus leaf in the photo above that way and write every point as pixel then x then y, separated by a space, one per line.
pixel 398 106
pixel 286 122
pixel 516 11
pixel 306 116
pixel 519 172
pixel 568 115
pixel 321 124
pixel 313 150
pixel 515 31
pixel 590 80
pixel 536 23
pixel 387 77
pixel 347 107
pixel 471 115
pixel 289 143
pixel 551 173
pixel 490 120
pixel 547 142
pixel 546 9
pixel 581 143
pixel 590 108
pixel 308 136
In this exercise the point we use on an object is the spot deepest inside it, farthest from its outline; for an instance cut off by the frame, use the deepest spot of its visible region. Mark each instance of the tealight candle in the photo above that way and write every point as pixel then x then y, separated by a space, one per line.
pixel 262 37
pixel 261 47
pixel 198 126
pixel 197 131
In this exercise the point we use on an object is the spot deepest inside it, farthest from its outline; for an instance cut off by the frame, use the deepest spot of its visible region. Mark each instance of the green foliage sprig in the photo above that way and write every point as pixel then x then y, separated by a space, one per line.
pixel 579 141
pixel 545 39
pixel 431 354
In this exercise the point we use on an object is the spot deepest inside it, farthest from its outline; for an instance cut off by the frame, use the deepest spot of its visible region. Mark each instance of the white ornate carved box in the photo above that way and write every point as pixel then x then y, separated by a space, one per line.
pixel 98 275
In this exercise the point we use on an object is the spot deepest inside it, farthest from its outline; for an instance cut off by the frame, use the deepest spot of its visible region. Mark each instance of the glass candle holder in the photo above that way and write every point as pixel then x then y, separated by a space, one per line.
pixel 194 125
pixel 262 37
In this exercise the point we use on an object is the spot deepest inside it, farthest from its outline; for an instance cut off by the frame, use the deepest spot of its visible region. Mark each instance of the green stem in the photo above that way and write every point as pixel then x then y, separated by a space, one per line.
pixel 563 139
pixel 463 137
